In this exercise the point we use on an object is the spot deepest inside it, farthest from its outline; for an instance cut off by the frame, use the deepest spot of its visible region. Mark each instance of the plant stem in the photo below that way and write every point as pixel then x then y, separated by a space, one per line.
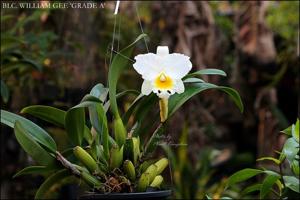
pixel 281 174
pixel 67 164
pixel 276 193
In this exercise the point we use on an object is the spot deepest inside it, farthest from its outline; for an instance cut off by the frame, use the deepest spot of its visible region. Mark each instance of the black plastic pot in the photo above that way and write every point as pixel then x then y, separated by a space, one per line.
pixel 164 194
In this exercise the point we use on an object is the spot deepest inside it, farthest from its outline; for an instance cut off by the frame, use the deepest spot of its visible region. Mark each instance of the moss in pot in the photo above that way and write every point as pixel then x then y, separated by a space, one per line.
pixel 115 160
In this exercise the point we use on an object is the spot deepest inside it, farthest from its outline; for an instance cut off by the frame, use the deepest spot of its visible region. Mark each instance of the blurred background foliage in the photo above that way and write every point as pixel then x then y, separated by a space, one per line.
pixel 54 56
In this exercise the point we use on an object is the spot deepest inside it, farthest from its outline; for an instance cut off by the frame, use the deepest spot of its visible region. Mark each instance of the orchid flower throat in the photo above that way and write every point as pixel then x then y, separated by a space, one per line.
pixel 163 82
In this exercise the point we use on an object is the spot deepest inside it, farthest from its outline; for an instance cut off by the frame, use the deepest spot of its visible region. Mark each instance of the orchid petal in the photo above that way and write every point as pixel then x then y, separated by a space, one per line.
pixel 179 86
pixel 162 51
pixel 146 87
pixel 148 65
pixel 177 65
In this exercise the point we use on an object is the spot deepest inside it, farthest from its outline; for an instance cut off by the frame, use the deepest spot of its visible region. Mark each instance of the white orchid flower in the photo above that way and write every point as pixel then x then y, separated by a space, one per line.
pixel 162 72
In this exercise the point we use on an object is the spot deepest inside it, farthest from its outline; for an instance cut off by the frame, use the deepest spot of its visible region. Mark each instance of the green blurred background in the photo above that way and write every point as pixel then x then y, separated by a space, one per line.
pixel 55 56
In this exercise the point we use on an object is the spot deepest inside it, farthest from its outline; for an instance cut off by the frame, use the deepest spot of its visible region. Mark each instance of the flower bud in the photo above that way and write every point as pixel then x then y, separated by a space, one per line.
pixel 85 158
pixel 136 149
pixel 157 181
pixel 129 169
pixel 116 157
pixel 120 131
pixel 143 182
pixel 152 171
pixel 161 165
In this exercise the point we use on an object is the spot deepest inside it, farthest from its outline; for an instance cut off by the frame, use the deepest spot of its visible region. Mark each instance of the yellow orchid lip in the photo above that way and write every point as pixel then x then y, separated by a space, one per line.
pixel 163 82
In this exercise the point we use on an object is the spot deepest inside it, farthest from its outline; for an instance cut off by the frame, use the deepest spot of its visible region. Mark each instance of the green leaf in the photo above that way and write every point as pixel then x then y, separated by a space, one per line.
pixel 141 115
pixel 36 132
pixel 88 135
pixel 140 108
pixel 128 149
pixel 47 113
pixel 121 94
pixel 31 63
pixel 193 80
pixel 132 107
pixel 252 188
pixel 292 183
pixel 191 90
pixel 98 121
pixel 153 141
pixel 207 72
pixel 75 123
pixel 242 175
pixel 89 97
pixel 276 161
pixel 118 65
pixel 50 182
pixel 34 170
pixel 4 92
pixel 271 173
pixel 295 131
pixel 31 146
pixel 295 167
pixel 287 131
pixel 267 185
pixel 100 92
pixel 290 150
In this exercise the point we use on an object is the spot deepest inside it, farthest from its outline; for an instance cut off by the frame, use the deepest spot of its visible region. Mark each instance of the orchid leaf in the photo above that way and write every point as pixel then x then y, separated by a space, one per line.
pixel 138 100
pixel 290 150
pixel 36 132
pixel 31 147
pixel 295 131
pixel 206 72
pixel 45 189
pixel 90 97
pixel 267 185
pixel 100 92
pixel 251 188
pixel 75 123
pixel 193 80
pixel 292 183
pixel 243 175
pixel 33 170
pixel 287 131
pixel 118 65
pixel 191 90
pixel 121 94
pixel 98 121
pixel 47 113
